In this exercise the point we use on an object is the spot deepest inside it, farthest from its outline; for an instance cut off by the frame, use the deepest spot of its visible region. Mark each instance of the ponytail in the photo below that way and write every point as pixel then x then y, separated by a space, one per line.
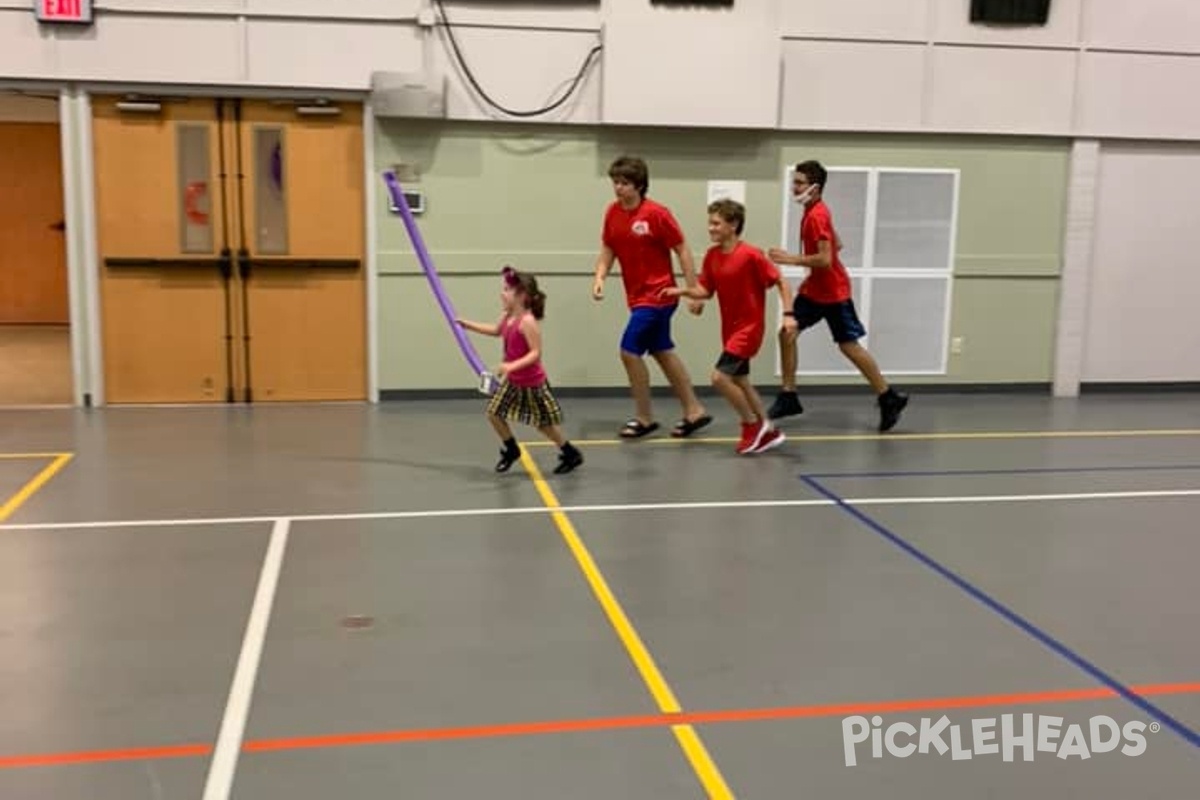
pixel 537 303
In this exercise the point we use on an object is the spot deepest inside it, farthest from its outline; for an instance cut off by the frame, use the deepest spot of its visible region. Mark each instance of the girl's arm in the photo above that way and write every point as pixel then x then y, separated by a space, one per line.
pixel 486 329
pixel 533 335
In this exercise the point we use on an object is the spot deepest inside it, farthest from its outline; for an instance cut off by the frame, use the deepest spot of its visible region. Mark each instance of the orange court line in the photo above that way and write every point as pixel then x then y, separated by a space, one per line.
pixel 596 724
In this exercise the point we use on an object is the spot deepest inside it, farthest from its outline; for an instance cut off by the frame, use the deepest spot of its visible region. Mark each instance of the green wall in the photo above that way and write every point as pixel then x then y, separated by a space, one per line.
pixel 534 196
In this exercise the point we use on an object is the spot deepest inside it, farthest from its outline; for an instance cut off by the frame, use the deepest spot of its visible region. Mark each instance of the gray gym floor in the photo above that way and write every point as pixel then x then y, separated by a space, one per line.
pixel 344 601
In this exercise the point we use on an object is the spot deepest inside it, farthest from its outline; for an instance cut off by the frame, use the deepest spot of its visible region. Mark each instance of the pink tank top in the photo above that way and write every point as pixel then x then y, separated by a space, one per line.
pixel 516 346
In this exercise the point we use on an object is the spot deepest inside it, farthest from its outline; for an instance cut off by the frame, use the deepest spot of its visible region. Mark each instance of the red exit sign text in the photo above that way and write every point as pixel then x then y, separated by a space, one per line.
pixel 64 10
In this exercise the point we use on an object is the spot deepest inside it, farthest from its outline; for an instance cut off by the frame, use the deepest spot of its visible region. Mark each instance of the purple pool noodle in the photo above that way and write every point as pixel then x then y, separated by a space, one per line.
pixel 435 281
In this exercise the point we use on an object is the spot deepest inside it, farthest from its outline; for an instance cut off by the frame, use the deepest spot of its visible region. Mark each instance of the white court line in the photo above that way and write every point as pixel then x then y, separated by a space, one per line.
pixel 684 506
pixel 237 708
pixel 1024 498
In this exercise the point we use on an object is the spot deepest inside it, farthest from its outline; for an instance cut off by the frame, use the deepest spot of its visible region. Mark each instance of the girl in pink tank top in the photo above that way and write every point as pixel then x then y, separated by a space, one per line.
pixel 524 393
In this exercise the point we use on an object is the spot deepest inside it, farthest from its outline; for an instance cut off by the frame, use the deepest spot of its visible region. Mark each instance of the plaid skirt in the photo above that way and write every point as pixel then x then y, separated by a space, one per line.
pixel 532 405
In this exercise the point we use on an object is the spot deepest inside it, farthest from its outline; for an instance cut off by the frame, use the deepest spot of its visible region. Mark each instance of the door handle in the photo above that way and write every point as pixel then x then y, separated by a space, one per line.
pixel 61 225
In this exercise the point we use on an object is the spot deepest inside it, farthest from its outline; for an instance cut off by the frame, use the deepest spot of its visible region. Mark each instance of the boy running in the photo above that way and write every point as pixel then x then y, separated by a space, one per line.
pixel 739 275
pixel 824 295
pixel 641 234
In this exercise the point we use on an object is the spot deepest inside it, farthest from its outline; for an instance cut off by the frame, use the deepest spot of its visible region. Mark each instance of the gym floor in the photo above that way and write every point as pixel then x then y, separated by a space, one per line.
pixel 346 601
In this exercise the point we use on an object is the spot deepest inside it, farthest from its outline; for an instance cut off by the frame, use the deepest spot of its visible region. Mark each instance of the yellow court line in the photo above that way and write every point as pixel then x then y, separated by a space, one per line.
pixel 34 484
pixel 18 456
pixel 868 437
pixel 689 740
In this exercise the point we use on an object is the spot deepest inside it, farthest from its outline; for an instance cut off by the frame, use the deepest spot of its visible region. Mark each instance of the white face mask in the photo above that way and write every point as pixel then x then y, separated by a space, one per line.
pixel 802 199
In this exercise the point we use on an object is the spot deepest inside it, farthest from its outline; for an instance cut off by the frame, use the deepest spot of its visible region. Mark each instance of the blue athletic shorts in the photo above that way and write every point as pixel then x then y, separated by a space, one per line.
pixel 648 330
pixel 842 318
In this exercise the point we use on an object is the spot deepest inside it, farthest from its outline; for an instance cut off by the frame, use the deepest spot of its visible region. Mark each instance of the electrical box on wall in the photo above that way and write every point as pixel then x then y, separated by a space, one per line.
pixel 408 94
pixel 415 200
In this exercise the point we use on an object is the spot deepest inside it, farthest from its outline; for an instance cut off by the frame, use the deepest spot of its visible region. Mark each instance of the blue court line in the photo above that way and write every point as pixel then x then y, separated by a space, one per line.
pixel 1013 471
pixel 1187 733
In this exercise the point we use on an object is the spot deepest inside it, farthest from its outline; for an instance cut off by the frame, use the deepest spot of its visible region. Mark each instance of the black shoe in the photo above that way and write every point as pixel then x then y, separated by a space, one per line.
pixel 891 404
pixel 568 459
pixel 508 457
pixel 787 404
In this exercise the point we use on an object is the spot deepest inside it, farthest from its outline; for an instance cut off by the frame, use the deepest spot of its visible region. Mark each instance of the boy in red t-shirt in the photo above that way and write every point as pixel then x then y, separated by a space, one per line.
pixel 825 295
pixel 642 234
pixel 739 275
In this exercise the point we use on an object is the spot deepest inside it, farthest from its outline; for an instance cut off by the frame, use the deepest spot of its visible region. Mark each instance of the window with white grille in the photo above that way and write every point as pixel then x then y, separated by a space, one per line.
pixel 897 228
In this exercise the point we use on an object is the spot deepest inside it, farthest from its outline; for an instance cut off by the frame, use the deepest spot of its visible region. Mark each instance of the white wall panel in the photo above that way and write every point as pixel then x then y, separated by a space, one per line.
pixel 883 64
pixel 205 50
pixel 856 19
pixel 839 85
pixel 1000 89
pixel 716 67
pixel 1138 96
pixel 25 51
pixel 1144 283
pixel 532 14
pixel 336 55
pixel 386 9
pixel 169 6
pixel 952 23
pixel 521 70
pixel 1148 25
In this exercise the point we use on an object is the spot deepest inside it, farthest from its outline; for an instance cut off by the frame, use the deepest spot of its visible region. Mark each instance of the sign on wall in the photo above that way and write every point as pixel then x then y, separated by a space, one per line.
pixel 77 12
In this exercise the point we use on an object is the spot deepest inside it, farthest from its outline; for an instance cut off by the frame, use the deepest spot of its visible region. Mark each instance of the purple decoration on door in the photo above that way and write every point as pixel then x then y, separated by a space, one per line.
pixel 277 166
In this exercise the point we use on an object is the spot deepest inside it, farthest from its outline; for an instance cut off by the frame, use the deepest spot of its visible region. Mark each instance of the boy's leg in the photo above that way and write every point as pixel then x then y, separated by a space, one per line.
pixel 767 436
pixel 866 365
pixel 639 387
pixel 731 377
pixel 787 359
pixel 634 344
pixel 753 400
pixel 847 329
pixel 677 375
pixel 787 402
pixel 662 348
pixel 725 381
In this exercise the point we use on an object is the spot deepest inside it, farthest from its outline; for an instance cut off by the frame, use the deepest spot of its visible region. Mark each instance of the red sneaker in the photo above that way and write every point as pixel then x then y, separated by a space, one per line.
pixel 769 441
pixel 750 436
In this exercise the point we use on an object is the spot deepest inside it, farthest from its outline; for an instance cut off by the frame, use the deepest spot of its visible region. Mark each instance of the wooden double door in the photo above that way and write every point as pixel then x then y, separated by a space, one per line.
pixel 231 240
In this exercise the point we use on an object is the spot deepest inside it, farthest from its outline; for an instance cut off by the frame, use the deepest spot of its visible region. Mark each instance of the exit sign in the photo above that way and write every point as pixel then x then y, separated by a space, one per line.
pixel 73 11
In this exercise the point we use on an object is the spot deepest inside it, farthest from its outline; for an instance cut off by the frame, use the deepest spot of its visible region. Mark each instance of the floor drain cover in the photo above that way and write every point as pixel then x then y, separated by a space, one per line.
pixel 358 622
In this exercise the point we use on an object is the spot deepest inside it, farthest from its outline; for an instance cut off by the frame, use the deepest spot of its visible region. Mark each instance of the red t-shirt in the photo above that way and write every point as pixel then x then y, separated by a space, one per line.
pixel 642 240
pixel 740 279
pixel 824 284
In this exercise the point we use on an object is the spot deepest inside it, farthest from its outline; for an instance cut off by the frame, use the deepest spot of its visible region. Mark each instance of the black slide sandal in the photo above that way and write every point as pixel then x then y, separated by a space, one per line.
pixel 684 428
pixel 635 429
